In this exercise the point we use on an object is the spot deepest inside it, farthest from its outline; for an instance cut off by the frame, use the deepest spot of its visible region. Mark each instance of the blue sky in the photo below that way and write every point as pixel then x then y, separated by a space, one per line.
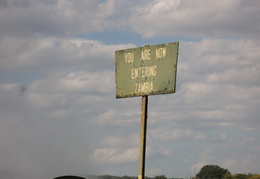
pixel 59 114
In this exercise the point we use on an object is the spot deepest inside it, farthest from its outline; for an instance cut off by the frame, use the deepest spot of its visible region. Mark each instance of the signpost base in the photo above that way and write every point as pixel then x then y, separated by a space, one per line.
pixel 143 127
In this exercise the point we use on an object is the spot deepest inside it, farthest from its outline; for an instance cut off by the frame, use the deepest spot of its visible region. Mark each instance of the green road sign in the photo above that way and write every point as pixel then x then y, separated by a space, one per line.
pixel 147 70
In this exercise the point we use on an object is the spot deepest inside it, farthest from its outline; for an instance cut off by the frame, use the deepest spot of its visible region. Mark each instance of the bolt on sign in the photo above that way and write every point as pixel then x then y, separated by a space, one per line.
pixel 147 70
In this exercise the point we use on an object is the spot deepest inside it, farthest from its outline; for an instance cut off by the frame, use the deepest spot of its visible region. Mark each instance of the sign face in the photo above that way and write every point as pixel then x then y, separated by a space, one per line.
pixel 147 70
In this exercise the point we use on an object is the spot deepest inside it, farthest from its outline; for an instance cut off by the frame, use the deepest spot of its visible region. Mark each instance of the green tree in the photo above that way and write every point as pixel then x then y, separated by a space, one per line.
pixel 212 172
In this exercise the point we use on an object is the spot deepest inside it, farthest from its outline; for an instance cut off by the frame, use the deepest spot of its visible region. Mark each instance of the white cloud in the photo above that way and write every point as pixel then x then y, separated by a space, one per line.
pixel 149 18
pixel 117 141
pixel 241 164
pixel 166 134
pixel 196 91
pixel 246 75
pixel 196 168
pixel 56 17
pixel 44 53
pixel 115 156
pixel 154 171
pixel 196 19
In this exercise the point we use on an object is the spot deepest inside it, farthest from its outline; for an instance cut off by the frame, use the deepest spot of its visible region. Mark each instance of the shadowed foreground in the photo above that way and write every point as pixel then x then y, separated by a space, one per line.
pixel 69 177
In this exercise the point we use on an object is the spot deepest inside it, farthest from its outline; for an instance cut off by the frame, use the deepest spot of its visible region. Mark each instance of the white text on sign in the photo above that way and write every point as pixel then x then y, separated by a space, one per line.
pixel 144 71
pixel 129 57
pixel 145 54
pixel 160 52
pixel 144 87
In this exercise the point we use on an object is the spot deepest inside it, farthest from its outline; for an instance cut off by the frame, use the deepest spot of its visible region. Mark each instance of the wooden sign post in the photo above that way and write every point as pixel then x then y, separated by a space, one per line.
pixel 143 127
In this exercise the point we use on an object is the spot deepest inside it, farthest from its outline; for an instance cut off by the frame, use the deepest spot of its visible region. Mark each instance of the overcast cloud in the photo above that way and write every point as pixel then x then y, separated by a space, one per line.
pixel 58 111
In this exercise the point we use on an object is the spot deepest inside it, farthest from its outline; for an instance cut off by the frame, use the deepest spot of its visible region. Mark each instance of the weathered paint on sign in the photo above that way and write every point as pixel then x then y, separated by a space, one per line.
pixel 147 70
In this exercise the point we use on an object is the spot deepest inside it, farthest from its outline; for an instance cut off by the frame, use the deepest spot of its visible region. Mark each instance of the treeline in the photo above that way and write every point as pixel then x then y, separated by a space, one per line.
pixel 206 172
pixel 235 176
pixel 225 176
pixel 133 177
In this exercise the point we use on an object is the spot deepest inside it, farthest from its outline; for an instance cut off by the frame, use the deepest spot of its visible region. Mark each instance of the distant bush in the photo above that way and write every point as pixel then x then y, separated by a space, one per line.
pixel 160 177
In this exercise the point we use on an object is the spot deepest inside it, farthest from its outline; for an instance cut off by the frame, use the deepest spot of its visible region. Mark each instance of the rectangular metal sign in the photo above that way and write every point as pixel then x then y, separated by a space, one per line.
pixel 147 70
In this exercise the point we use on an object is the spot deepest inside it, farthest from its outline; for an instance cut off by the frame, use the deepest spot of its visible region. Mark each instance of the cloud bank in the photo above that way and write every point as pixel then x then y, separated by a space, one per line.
pixel 58 109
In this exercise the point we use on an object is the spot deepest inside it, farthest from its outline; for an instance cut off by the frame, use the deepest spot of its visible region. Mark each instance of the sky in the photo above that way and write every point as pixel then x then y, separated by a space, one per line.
pixel 58 110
